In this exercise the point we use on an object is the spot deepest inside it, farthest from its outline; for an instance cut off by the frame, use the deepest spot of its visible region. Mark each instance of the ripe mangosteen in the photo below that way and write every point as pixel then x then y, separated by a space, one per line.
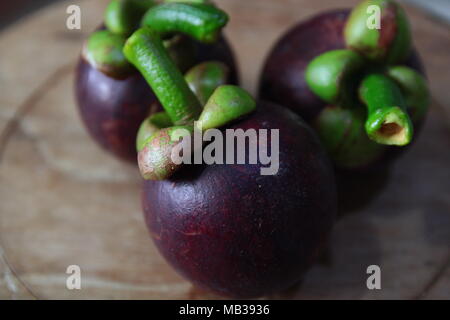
pixel 225 226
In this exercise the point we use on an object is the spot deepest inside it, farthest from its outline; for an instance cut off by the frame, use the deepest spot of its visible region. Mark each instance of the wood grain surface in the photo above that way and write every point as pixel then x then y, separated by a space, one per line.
pixel 63 201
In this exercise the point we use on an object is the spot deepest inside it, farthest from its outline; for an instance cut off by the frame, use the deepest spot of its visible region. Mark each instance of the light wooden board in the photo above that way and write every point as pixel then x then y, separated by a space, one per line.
pixel 63 201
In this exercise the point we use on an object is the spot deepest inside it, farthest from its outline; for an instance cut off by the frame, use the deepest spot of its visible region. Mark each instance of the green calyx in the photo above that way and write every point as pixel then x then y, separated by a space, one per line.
pixel 150 126
pixel 342 132
pixel 227 104
pixel 145 50
pixel 123 16
pixel 414 88
pixel 395 96
pixel 387 122
pixel 329 74
pixel 379 30
pixel 155 160
pixel 200 21
pixel 196 18
pixel 104 51
pixel 181 50
pixel 205 77
pixel 189 1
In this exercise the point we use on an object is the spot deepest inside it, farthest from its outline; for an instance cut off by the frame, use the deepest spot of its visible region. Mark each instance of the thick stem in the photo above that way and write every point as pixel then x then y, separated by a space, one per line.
pixel 200 21
pixel 387 120
pixel 123 16
pixel 204 78
pixel 145 50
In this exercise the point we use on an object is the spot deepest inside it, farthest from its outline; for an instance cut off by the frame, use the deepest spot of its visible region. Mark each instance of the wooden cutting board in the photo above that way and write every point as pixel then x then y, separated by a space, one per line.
pixel 63 201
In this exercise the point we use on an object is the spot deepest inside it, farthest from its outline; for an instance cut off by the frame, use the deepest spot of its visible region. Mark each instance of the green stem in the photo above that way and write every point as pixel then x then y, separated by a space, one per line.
pixel 342 133
pixel 190 1
pixel 145 50
pixel 387 121
pixel 123 16
pixel 200 21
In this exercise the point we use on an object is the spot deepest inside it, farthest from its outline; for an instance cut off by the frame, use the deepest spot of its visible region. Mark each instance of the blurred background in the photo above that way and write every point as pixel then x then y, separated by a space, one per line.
pixel 64 201
pixel 10 11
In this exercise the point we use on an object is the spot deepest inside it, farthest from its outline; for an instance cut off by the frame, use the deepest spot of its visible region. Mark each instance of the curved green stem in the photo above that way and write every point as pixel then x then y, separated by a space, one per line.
pixel 387 121
pixel 329 75
pixel 200 21
pixel 379 30
pixel 123 16
pixel 103 50
pixel 204 78
pixel 414 88
pixel 182 50
pixel 145 50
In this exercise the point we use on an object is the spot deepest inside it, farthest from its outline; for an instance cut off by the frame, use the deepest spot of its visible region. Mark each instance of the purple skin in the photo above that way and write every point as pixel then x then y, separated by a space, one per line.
pixel 230 230
pixel 113 109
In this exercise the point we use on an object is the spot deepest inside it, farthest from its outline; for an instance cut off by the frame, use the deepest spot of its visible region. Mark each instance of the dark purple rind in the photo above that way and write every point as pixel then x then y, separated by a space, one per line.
pixel 235 232
pixel 113 109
